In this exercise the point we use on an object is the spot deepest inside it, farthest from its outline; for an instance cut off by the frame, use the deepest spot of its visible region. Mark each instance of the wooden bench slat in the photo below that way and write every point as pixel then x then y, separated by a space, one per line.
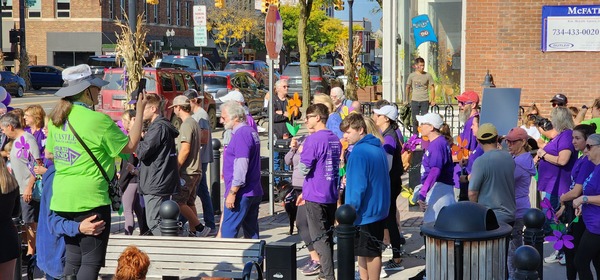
pixel 195 244
pixel 158 273
pixel 179 258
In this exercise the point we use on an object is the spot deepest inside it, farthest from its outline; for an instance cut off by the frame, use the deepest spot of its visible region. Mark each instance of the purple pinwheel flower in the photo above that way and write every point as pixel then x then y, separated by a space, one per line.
pixel 23 148
pixel 412 143
pixel 547 208
pixel 560 240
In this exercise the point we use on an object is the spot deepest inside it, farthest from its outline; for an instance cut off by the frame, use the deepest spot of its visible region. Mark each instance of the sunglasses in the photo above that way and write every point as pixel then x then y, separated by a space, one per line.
pixel 464 103
pixel 556 104
pixel 285 86
pixel 589 146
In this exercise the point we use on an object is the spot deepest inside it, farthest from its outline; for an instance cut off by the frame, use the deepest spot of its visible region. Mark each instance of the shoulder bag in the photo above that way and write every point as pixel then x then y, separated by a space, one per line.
pixel 113 185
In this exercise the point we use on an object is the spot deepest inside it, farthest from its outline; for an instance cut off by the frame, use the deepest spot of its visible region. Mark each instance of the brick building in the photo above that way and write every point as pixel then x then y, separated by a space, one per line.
pixel 67 32
pixel 502 36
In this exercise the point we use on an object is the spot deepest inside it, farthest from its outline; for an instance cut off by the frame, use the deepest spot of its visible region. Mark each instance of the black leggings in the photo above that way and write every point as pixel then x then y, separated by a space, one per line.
pixel 302 224
pixel 85 254
pixel 588 251
pixel 577 230
pixel 391 223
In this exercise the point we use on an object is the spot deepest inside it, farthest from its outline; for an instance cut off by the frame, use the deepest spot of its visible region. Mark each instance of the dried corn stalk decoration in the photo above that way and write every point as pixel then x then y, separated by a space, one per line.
pixel 130 50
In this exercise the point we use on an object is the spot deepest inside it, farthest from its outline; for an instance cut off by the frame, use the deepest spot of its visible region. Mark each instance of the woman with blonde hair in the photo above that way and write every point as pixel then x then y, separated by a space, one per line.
pixel 132 265
pixel 334 120
pixel 528 122
pixel 9 195
pixel 34 123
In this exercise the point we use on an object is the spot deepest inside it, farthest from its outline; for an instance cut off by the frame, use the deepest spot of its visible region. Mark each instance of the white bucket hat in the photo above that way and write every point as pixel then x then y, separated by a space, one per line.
pixel 77 79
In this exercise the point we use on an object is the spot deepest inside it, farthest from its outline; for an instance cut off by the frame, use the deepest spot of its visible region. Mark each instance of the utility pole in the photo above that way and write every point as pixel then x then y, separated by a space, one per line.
pixel 22 50
pixel 132 14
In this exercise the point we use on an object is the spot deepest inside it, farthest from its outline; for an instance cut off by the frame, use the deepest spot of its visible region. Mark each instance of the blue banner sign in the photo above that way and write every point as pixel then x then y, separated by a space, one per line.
pixel 422 30
pixel 571 28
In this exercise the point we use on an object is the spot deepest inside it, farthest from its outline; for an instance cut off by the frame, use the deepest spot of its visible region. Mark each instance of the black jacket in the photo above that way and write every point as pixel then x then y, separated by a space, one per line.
pixel 159 173
pixel 279 121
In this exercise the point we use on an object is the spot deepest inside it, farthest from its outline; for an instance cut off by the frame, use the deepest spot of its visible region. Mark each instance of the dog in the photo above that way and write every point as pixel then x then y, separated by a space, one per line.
pixel 288 196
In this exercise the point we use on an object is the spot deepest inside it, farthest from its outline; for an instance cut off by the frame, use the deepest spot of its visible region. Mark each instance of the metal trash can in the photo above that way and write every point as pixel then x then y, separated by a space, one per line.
pixel 466 242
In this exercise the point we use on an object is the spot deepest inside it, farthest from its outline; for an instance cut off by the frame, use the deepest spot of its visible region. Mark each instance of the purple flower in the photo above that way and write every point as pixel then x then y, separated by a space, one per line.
pixel 412 143
pixel 560 240
pixel 23 147
pixel 547 208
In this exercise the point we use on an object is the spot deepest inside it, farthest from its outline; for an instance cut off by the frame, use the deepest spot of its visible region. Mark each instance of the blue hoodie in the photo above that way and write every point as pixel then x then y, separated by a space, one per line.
pixel 50 244
pixel 368 181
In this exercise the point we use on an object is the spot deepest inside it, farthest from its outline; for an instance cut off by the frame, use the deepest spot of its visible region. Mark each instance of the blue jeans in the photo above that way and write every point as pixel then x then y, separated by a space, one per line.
pixel 245 215
pixel 207 207
pixel 276 166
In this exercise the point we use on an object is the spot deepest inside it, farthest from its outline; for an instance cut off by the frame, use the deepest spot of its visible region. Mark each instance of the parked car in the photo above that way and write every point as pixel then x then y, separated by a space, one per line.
pixel 100 62
pixel 322 78
pixel 167 83
pixel 189 63
pixel 45 76
pixel 258 68
pixel 219 83
pixel 13 84
pixel 340 73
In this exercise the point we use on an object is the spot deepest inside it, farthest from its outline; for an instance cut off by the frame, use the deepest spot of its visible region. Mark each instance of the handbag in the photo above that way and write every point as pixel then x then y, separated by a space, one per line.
pixel 36 195
pixel 113 185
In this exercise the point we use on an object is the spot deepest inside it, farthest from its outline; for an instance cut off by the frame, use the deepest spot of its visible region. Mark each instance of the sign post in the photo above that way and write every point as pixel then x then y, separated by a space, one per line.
pixel 273 42
pixel 200 38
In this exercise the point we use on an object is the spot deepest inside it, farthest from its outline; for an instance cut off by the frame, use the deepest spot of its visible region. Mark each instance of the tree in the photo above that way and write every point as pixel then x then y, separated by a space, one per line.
pixel 350 63
pixel 231 24
pixel 130 50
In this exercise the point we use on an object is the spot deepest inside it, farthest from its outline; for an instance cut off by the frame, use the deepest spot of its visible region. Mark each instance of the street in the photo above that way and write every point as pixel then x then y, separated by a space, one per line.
pixel 44 97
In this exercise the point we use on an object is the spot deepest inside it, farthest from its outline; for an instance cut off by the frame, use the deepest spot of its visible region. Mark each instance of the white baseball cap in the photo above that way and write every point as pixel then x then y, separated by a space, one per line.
pixel 389 111
pixel 233 95
pixel 431 118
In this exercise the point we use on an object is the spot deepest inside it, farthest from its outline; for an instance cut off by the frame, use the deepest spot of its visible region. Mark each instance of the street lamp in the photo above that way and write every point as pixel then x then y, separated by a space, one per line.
pixel 4 2
pixel 351 35
pixel 170 34
pixel 488 82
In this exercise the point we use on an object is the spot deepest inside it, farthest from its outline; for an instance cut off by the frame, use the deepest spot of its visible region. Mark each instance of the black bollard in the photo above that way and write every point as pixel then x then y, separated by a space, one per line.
pixel 345 215
pixel 215 177
pixel 527 261
pixel 169 212
pixel 533 235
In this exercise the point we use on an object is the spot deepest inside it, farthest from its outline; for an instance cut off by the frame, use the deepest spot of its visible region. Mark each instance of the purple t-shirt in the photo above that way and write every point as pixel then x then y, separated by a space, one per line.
pixel 321 155
pixel 40 139
pixel 524 170
pixel 438 155
pixel 241 162
pixel 557 179
pixel 581 170
pixel 468 134
pixel 591 212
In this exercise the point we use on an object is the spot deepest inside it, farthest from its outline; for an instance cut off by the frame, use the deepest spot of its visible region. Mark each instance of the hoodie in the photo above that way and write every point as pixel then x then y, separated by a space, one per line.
pixel 159 173
pixel 524 170
pixel 368 181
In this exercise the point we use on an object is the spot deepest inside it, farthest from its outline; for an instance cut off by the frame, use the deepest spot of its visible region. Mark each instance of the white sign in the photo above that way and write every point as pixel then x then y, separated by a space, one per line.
pixel 200 32
pixel 571 28
pixel 200 36
pixel 199 15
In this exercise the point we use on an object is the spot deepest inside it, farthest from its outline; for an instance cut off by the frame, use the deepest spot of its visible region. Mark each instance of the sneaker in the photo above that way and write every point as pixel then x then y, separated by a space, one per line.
pixel 261 129
pixel 387 252
pixel 563 260
pixel 313 269
pixel 213 232
pixel 203 233
pixel 393 266
pixel 553 258
pixel 383 274
pixel 306 265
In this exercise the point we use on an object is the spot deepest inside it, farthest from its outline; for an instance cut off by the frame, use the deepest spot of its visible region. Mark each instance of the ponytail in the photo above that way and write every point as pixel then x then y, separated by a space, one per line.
pixel 61 111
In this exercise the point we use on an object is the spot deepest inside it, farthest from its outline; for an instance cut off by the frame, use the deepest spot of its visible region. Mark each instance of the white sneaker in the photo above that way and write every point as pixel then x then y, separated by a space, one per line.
pixel 383 273
pixel 261 129
pixel 553 258
pixel 203 233
pixel 563 260
pixel 388 253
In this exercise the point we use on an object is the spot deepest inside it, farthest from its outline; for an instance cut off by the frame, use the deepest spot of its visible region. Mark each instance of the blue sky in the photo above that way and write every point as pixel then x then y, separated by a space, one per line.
pixel 361 8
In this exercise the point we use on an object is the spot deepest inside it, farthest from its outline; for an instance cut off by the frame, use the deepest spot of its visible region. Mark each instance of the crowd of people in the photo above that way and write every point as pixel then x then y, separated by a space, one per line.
pixel 342 159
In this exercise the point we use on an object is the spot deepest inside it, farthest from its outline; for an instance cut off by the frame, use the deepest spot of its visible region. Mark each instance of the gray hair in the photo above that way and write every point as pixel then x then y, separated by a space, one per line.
pixel 594 138
pixel 339 92
pixel 234 110
pixel 278 83
pixel 12 120
pixel 562 119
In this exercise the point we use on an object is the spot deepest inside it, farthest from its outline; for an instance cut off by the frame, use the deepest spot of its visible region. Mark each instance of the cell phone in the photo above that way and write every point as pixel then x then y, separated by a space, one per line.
pixel 140 89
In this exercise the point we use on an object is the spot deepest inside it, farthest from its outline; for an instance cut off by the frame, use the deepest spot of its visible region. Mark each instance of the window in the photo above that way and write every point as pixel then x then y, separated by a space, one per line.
pixel 7 10
pixel 123 8
pixel 169 11
pixel 187 13
pixel 35 11
pixel 178 12
pixel 191 84
pixel 155 13
pixel 167 83
pixel 63 8
pixel 111 9
pixel 145 11
pixel 179 82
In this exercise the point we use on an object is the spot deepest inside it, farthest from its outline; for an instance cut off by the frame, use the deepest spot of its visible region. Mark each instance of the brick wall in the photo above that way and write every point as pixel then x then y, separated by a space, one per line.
pixel 504 36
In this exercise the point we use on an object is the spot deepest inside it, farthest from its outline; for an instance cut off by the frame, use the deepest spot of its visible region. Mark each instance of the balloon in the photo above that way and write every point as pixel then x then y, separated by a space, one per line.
pixel 7 99
pixel 3 94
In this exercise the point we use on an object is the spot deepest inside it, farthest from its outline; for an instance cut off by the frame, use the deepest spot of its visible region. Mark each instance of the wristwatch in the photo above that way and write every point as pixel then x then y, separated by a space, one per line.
pixel 584 199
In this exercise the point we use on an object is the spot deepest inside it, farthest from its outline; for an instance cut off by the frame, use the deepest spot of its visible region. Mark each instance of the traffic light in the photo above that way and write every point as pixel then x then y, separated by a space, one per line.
pixel 264 7
pixel 338 5
pixel 14 35
pixel 219 3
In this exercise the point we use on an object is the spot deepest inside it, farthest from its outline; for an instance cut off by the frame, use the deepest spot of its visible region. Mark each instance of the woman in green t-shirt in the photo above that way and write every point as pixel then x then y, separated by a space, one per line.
pixel 80 190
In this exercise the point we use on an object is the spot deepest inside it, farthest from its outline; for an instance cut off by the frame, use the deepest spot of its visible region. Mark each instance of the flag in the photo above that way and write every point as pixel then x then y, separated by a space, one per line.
pixel 422 30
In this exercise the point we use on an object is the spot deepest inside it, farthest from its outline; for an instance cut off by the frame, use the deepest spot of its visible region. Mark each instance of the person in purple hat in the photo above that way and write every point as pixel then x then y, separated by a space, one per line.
pixel 524 170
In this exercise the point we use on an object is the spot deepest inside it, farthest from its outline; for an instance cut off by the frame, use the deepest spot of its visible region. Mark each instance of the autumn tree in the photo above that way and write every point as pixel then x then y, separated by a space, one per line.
pixel 231 24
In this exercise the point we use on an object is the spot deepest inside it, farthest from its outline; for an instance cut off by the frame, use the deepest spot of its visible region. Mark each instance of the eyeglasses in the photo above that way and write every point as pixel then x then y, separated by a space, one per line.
pixel 556 104
pixel 310 116
pixel 513 142
pixel 589 146
pixel 464 103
